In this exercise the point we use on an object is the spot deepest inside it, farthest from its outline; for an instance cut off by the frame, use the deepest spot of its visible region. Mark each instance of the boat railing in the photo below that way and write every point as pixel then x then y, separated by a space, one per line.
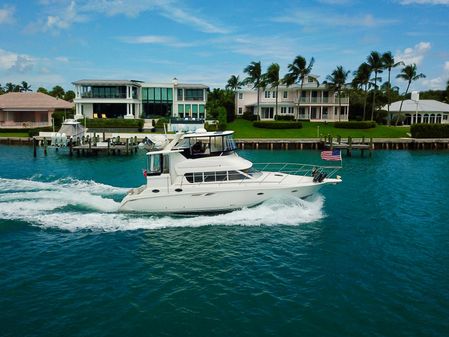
pixel 307 170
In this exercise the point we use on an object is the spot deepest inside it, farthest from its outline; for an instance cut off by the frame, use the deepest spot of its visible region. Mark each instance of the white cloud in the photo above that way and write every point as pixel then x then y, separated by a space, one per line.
pixel 413 55
pixel 424 2
pixel 433 84
pixel 62 59
pixel 73 12
pixel 7 14
pixel 14 62
pixel 311 18
pixel 155 39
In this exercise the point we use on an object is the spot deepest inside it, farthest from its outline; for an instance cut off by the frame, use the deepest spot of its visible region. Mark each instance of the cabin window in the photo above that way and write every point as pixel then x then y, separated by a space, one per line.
pixel 222 176
pixel 235 175
pixel 209 176
pixel 198 177
pixel 155 165
pixel 189 177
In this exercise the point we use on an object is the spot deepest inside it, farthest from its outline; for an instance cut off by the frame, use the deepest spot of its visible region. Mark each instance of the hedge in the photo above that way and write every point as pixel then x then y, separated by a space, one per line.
pixel 277 125
pixel 249 116
pixel 113 123
pixel 430 130
pixel 31 132
pixel 284 117
pixel 355 125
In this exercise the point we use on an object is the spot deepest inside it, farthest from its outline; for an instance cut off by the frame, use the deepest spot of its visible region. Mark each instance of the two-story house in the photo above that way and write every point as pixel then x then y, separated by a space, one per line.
pixel 137 99
pixel 314 102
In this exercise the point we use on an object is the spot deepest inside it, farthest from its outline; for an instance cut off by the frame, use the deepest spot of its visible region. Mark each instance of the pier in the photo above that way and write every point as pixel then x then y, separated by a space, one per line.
pixel 349 144
pixel 90 145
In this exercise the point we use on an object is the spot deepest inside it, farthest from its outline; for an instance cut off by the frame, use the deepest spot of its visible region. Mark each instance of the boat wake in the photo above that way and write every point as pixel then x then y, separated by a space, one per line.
pixel 71 204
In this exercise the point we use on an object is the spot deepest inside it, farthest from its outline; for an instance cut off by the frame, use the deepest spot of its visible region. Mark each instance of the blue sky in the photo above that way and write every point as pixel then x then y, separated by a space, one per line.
pixel 49 42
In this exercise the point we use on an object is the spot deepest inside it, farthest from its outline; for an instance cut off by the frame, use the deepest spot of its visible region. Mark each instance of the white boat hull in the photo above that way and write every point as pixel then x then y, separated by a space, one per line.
pixel 201 198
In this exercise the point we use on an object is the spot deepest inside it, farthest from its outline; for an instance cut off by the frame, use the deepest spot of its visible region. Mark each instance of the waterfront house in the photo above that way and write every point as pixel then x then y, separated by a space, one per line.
pixel 29 109
pixel 138 99
pixel 421 111
pixel 316 102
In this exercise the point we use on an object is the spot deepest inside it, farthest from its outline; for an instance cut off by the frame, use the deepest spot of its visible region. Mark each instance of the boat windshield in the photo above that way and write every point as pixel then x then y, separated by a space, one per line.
pixel 205 146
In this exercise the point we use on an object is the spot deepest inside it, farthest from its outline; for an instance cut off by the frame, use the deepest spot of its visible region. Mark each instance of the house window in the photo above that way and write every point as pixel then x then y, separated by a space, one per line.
pixel 180 95
pixel 310 79
pixel 445 117
pixel 283 110
pixel 267 94
pixel 240 95
pixel 274 94
pixel 240 111
pixel 285 94
pixel 290 110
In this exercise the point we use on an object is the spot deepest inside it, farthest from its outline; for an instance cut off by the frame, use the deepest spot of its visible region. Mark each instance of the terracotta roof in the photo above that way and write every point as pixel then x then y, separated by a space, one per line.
pixel 27 100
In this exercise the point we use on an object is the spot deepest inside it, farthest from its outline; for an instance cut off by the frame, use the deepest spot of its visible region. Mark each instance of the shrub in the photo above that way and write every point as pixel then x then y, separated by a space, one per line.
pixel 355 125
pixel 160 122
pixel 249 116
pixel 277 125
pixel 284 117
pixel 430 130
pixel 114 123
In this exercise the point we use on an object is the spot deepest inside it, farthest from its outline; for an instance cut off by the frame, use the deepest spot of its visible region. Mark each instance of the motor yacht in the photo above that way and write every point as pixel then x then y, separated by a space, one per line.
pixel 201 172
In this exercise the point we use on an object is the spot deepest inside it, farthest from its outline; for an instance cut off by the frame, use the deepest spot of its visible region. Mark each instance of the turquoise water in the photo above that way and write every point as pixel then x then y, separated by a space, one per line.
pixel 368 257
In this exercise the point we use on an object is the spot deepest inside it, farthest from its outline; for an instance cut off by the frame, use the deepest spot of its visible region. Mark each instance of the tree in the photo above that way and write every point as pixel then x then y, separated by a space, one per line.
pixel 298 71
pixel 271 77
pixel 336 82
pixel 42 90
pixel 234 84
pixel 57 92
pixel 9 87
pixel 375 62
pixel 219 98
pixel 389 63
pixel 254 72
pixel 25 87
pixel 2 90
pixel 362 80
pixel 69 95
pixel 409 74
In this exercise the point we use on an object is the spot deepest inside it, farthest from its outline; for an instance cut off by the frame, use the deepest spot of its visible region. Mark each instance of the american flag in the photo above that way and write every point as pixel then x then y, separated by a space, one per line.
pixel 331 155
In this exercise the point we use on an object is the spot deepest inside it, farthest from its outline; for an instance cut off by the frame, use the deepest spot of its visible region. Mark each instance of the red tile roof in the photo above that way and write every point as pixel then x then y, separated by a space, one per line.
pixel 28 100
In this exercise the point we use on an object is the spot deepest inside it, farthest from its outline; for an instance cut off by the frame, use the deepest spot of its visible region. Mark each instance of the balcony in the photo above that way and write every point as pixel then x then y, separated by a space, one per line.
pixel 324 100
pixel 114 96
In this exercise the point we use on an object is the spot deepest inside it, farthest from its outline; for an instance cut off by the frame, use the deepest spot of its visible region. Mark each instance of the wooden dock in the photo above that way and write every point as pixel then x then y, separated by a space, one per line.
pixel 90 145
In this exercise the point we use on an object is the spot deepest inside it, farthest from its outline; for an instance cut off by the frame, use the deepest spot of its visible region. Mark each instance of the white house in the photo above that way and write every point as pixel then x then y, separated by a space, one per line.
pixel 316 103
pixel 421 111
pixel 137 99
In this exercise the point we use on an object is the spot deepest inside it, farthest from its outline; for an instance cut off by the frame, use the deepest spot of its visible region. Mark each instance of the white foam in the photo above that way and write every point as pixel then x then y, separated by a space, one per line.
pixel 72 205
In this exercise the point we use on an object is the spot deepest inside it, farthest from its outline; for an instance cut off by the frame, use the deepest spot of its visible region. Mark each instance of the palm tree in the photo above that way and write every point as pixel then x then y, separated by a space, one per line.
pixel 375 62
pixel 336 82
pixel 362 80
pixel 298 71
pixel 409 74
pixel 25 86
pixel 271 77
pixel 9 87
pixel 447 91
pixel 254 72
pixel 389 63
pixel 234 84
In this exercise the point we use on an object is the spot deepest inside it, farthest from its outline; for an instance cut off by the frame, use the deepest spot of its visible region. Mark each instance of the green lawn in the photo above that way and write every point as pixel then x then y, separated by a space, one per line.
pixel 245 129
pixel 13 134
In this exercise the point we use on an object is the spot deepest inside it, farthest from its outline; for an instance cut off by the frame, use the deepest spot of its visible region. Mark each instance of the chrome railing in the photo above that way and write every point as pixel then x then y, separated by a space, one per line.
pixel 307 170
